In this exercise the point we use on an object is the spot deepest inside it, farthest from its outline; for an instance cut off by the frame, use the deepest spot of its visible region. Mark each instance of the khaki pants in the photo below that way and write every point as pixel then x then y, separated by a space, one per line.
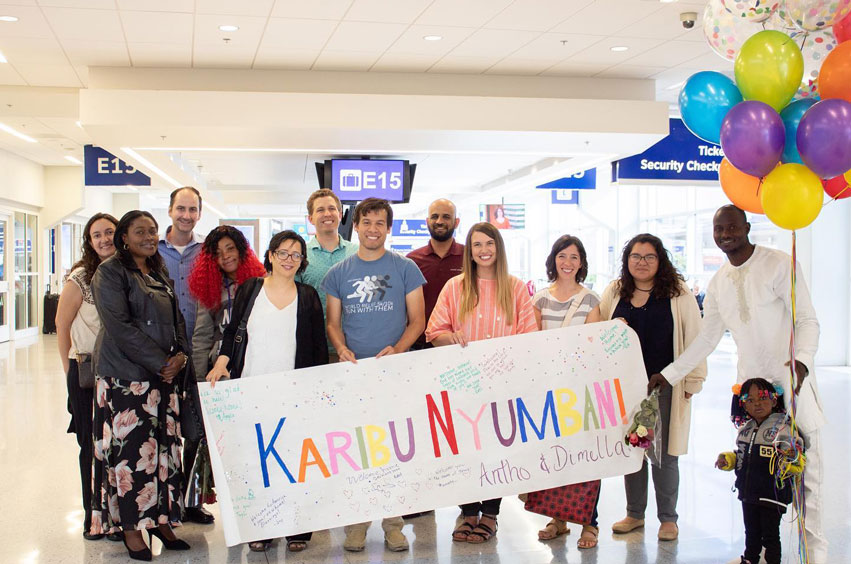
pixel 388 524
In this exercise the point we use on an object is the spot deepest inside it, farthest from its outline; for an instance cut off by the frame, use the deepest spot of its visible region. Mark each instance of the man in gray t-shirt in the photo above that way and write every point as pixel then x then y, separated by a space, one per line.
pixel 374 308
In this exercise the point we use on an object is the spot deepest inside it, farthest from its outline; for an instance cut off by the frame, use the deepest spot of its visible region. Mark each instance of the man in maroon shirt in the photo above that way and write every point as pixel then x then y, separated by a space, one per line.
pixel 440 259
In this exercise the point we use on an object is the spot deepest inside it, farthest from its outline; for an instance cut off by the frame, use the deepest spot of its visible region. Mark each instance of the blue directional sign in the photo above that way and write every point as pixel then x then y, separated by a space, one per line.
pixel 679 156
pixel 565 197
pixel 585 180
pixel 410 228
pixel 102 168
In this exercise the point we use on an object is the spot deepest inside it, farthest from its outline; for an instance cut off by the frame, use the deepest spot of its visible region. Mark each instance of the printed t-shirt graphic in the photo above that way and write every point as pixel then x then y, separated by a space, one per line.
pixel 372 295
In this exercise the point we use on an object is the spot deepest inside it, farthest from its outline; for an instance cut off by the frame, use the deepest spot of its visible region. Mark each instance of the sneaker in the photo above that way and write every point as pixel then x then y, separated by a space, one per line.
pixel 396 541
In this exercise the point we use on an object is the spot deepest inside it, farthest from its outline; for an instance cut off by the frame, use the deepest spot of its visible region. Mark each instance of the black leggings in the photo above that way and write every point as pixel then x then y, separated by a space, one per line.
pixel 762 529
pixel 80 401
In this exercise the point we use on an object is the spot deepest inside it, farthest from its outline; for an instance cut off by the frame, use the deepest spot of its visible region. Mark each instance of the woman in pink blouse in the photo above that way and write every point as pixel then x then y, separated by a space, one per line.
pixel 482 302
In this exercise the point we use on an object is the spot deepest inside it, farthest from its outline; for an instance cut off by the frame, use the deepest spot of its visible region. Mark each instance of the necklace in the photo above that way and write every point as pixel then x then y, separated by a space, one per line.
pixel 643 290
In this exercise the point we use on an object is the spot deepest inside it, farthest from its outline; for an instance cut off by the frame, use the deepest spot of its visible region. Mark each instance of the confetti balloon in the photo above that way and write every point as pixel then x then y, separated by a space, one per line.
pixel 842 29
pixel 724 31
pixel 753 11
pixel 813 15
pixel 817 45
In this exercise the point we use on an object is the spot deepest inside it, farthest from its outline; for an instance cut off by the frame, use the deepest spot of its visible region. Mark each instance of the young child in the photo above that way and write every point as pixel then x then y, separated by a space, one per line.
pixel 756 461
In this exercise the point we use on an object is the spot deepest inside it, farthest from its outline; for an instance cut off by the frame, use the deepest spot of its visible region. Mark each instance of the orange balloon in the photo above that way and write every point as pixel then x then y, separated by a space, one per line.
pixel 741 189
pixel 834 79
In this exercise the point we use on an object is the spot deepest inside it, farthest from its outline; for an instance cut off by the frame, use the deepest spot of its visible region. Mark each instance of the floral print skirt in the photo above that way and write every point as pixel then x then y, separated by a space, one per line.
pixel 138 479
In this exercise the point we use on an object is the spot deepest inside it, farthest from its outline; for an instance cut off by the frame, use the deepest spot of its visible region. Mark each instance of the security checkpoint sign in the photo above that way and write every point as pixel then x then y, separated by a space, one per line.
pixel 679 156
pixel 346 443
pixel 410 228
pixel 585 180
pixel 102 168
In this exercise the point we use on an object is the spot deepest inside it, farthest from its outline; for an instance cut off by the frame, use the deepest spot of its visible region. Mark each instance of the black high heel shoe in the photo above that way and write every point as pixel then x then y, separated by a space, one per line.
pixel 175 544
pixel 143 554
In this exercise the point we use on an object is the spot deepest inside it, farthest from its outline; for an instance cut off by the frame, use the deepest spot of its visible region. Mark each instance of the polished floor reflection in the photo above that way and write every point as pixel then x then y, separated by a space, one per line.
pixel 40 519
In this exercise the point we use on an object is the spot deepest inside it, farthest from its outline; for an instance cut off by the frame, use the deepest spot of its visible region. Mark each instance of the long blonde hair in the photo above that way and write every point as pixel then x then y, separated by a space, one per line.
pixel 470 276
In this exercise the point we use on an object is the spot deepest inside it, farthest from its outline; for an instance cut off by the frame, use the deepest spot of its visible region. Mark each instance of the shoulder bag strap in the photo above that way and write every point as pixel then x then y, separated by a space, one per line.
pixel 574 305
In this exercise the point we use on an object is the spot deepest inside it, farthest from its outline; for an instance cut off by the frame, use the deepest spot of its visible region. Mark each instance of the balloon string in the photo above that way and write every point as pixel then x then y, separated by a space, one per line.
pixel 797 483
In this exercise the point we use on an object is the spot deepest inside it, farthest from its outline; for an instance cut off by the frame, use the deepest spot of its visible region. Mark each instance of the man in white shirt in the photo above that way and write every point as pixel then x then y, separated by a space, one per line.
pixel 750 296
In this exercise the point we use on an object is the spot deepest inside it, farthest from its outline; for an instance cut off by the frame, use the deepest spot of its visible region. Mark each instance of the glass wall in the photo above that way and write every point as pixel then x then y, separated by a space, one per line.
pixel 26 270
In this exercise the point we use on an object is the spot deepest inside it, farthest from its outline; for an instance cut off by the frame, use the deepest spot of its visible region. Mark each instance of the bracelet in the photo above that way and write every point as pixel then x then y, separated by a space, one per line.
pixel 185 360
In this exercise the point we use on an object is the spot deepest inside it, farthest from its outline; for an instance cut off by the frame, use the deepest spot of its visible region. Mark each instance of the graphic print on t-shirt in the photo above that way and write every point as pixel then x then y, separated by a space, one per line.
pixel 372 290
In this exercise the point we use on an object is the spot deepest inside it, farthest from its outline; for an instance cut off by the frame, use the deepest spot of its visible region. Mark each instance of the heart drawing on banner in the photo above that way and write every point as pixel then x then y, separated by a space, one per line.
pixel 348 494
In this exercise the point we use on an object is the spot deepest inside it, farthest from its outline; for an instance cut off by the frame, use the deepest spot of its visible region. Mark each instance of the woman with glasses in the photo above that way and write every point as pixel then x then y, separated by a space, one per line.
pixel 285 329
pixel 651 297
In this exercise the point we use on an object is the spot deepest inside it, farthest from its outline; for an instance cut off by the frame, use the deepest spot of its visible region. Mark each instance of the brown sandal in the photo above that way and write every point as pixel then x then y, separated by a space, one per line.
pixel 588 537
pixel 554 529
pixel 462 531
pixel 296 545
pixel 483 533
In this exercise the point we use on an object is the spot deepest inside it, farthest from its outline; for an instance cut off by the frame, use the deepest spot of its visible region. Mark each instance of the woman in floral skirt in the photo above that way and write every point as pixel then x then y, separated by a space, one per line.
pixel 139 357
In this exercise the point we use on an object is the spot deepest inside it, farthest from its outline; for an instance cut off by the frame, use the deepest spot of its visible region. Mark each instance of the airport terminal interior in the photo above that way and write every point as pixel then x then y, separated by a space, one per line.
pixel 542 117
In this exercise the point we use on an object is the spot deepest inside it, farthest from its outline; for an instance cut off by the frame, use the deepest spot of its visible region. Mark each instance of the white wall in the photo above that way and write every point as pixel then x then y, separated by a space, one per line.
pixel 21 182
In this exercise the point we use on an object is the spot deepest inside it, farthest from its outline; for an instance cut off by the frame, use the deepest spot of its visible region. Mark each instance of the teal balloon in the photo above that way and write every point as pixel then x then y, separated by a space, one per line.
pixel 791 116
pixel 705 99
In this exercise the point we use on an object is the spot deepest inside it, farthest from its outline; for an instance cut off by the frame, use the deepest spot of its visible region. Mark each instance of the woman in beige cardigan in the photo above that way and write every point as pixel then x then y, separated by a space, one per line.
pixel 652 298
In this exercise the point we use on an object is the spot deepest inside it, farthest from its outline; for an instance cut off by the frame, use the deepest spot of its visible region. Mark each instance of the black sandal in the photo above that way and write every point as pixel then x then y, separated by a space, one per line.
pixel 462 531
pixel 482 531
pixel 296 545
pixel 259 546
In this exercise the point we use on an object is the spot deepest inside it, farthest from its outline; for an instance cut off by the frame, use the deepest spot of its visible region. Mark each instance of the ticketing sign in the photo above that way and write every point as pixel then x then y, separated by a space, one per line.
pixel 410 228
pixel 679 156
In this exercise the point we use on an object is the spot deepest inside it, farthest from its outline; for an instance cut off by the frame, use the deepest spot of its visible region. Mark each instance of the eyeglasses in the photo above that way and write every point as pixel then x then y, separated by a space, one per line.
pixel 649 259
pixel 284 255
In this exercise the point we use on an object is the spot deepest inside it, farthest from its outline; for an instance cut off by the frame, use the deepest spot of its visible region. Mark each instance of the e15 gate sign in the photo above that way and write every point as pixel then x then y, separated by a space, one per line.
pixel 102 168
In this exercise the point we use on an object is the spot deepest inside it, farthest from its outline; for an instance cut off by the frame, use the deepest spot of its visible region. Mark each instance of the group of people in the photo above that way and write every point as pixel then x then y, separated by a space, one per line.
pixel 144 318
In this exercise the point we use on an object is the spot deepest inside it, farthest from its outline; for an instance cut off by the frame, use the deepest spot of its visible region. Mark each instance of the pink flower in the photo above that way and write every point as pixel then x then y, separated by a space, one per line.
pixel 111 477
pixel 148 457
pixel 633 439
pixel 102 387
pixel 146 523
pixel 171 430
pixel 175 454
pixel 152 404
pixel 139 388
pixel 113 509
pixel 174 404
pixel 123 478
pixel 163 466
pixel 124 423
pixel 147 498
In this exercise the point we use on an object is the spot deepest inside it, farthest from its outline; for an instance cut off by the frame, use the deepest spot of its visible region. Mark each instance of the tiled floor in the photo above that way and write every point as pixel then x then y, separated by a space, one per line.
pixel 40 517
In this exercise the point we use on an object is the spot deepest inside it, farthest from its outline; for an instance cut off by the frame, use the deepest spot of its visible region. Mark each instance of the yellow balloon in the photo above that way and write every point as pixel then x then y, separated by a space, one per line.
pixel 769 68
pixel 847 176
pixel 792 196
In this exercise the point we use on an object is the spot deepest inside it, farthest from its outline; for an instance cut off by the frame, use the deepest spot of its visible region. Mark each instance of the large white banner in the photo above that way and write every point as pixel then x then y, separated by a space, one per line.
pixel 346 443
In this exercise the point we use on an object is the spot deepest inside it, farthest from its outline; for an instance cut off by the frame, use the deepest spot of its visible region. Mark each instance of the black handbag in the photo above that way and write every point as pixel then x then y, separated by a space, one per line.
pixel 191 420
pixel 85 374
pixel 240 337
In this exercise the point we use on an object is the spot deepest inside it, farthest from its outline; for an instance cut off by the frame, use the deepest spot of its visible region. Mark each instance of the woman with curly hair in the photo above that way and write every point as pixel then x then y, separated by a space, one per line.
pixel 652 298
pixel 225 262
pixel 77 327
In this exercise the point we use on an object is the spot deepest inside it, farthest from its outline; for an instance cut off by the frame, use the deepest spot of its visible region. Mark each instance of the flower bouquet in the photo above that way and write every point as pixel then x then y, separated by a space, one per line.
pixel 645 430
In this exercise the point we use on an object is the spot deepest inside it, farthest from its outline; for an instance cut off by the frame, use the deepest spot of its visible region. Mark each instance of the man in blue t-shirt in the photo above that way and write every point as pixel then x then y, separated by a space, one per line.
pixel 374 308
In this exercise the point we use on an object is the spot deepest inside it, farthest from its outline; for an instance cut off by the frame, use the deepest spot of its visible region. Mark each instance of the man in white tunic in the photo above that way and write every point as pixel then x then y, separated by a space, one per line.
pixel 751 295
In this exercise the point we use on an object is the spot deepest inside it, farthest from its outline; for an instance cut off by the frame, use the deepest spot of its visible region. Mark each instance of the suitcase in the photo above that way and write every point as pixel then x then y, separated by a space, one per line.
pixel 51 302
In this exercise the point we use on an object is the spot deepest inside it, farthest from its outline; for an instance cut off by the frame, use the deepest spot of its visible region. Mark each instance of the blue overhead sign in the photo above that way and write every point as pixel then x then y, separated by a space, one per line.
pixel 102 168
pixel 410 228
pixel 679 156
pixel 585 180
pixel 565 197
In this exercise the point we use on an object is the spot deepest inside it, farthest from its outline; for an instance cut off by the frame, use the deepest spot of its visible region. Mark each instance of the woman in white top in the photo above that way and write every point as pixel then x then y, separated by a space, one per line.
pixel 77 326
pixel 567 302
pixel 285 329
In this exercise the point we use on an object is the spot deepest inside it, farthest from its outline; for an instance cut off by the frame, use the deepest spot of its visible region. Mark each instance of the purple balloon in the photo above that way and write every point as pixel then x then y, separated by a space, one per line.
pixel 824 138
pixel 753 137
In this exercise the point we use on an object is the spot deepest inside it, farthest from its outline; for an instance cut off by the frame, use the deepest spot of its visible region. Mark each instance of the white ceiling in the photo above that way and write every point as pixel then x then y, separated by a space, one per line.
pixel 56 41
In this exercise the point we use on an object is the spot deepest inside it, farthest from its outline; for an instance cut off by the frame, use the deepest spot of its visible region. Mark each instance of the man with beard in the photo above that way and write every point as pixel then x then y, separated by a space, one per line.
pixel 750 296
pixel 440 259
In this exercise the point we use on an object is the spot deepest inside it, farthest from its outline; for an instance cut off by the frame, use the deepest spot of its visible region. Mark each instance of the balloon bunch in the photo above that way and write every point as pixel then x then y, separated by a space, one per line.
pixel 781 154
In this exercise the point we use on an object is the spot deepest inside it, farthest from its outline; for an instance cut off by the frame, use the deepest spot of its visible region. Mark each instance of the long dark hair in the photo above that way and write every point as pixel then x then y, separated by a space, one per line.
pixel 154 262
pixel 91 259
pixel 666 283
pixel 562 243
pixel 277 240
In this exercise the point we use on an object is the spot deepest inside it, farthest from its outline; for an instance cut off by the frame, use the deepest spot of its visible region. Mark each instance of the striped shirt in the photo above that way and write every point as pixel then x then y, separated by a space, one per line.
pixel 553 310
pixel 486 321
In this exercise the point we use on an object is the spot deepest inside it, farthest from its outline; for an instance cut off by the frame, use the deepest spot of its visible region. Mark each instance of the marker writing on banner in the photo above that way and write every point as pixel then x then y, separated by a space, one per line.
pixel 557 414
